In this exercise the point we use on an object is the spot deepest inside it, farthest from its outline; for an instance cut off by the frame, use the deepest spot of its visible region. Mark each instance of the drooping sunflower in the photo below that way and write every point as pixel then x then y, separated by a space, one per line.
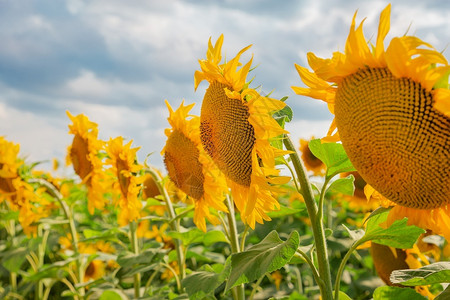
pixel 122 159
pixel 312 163
pixel 388 259
pixel 190 168
pixel 389 108
pixel 235 127
pixel 19 195
pixel 83 154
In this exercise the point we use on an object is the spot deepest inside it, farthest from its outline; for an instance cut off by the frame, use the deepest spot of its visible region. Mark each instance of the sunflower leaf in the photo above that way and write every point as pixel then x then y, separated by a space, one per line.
pixel 444 295
pixel 343 185
pixel 332 155
pixel 283 211
pixel 269 255
pixel 283 115
pixel 398 235
pixel 204 282
pixel 435 273
pixel 194 235
pixel 115 294
pixel 394 292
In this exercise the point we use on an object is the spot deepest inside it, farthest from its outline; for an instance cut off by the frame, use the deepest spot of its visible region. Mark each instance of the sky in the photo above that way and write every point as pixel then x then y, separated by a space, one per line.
pixel 117 61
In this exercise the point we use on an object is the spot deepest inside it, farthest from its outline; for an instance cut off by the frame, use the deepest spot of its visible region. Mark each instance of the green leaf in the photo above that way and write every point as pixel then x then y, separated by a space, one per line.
pixel 343 185
pixel 214 236
pixel 444 295
pixel 55 270
pixel 343 296
pixel 443 81
pixel 13 259
pixel 394 293
pixel 398 235
pixel 435 273
pixel 283 115
pixel 354 234
pixel 202 283
pixel 113 295
pixel 283 211
pixel 129 259
pixel 193 235
pixel 269 255
pixel 332 155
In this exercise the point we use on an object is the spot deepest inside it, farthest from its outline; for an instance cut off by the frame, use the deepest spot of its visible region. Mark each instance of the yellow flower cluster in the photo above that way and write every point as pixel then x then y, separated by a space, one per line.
pixel 18 194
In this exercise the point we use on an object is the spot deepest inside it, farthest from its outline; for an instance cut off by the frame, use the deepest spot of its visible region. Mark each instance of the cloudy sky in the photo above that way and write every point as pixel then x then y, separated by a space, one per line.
pixel 116 61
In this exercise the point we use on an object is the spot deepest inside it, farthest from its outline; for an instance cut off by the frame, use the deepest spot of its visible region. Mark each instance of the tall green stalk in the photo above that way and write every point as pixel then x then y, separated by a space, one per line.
pixel 73 230
pixel 135 248
pixel 316 216
pixel 238 291
pixel 175 226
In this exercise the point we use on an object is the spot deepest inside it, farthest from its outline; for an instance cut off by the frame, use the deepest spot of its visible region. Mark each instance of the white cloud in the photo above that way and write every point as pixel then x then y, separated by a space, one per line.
pixel 39 139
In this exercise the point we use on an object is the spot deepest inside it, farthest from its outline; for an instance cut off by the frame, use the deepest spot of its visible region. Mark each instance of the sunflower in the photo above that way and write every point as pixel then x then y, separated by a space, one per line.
pixel 190 168
pixel 235 127
pixel 95 270
pixel 312 163
pixel 122 159
pixel 387 259
pixel 84 155
pixel 19 195
pixel 388 107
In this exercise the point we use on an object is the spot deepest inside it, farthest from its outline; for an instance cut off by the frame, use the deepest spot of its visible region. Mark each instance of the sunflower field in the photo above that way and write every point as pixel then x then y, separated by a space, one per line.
pixel 240 212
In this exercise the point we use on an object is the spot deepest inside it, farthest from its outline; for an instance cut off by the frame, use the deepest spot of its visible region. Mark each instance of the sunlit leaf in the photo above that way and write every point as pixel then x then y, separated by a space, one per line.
pixel 204 282
pixel 343 185
pixel 214 236
pixel 283 211
pixel 438 272
pixel 193 235
pixel 332 155
pixel 398 235
pixel 269 255
pixel 393 292
pixel 113 295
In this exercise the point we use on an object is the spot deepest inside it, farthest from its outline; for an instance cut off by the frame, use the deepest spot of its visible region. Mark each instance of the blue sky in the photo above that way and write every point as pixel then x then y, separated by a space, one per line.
pixel 116 61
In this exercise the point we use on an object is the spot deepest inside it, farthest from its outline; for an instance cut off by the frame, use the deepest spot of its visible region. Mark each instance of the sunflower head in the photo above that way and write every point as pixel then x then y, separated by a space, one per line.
pixel 388 113
pixel 235 127
pixel 190 169
pixel 95 270
pixel 84 155
pixel 85 144
pixel 122 159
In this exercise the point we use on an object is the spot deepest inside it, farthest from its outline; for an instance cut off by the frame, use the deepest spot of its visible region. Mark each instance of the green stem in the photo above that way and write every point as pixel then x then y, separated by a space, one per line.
pixel 135 249
pixel 311 265
pixel 234 240
pixel 326 289
pixel 175 226
pixel 40 262
pixel 244 235
pixel 13 275
pixel 73 230
pixel 330 214
pixel 255 287
pixel 342 267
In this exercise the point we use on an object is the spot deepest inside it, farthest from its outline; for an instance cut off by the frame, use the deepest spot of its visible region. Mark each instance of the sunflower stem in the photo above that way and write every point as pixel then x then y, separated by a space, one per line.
pixel 325 285
pixel 135 248
pixel 341 269
pixel 175 226
pixel 239 291
pixel 73 229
